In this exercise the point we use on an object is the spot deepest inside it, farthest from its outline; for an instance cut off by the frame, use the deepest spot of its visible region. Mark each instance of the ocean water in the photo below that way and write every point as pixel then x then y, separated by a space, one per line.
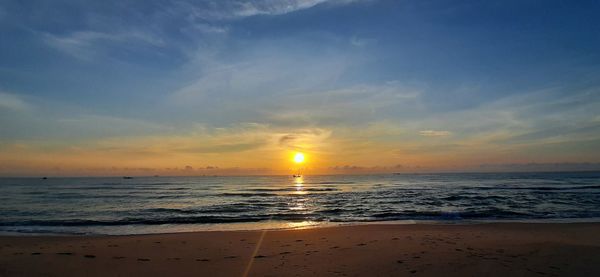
pixel 173 204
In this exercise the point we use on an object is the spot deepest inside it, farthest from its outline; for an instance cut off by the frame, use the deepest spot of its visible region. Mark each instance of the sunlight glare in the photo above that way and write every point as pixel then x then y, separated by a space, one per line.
pixel 299 158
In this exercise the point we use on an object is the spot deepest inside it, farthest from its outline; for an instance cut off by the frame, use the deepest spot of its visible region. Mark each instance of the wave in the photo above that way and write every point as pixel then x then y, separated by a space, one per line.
pixel 293 189
pixel 330 183
pixel 331 215
pixel 227 208
pixel 111 202
pixel 204 219
pixel 538 188
pixel 137 221
pixel 471 198
pixel 246 194
pixel 441 215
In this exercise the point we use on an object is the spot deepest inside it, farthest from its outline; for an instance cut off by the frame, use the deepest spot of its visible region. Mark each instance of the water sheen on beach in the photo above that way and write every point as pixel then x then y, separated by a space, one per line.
pixel 165 204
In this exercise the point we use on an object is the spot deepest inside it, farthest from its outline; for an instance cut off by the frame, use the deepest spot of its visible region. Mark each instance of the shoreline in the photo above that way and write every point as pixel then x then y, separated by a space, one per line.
pixel 492 249
pixel 272 226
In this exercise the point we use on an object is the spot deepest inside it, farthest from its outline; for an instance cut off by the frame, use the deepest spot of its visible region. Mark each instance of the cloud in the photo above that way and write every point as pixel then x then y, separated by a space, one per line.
pixel 13 102
pixel 288 82
pixel 309 139
pixel 261 80
pixel 223 148
pixel 432 149
pixel 344 105
pixel 58 121
pixel 361 42
pixel 353 169
pixel 90 125
pixel 434 133
pixel 535 167
pixel 235 9
pixel 272 7
pixel 85 45
pixel 209 29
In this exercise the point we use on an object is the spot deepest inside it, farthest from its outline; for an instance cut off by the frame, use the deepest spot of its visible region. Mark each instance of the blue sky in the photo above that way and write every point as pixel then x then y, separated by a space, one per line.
pixel 88 86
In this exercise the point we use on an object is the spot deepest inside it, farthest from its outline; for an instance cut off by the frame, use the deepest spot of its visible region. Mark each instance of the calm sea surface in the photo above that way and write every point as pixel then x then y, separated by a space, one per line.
pixel 171 204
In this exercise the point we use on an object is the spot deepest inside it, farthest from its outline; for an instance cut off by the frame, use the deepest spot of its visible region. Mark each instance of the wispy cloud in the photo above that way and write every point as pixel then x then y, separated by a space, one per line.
pixel 361 42
pixel 234 9
pixel 434 133
pixel 305 140
pixel 208 28
pixel 271 7
pixel 283 83
pixel 13 102
pixel 86 45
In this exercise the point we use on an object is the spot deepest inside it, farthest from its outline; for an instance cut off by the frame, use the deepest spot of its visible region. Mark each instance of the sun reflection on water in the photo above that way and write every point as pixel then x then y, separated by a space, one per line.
pixel 299 181
pixel 298 204
pixel 299 184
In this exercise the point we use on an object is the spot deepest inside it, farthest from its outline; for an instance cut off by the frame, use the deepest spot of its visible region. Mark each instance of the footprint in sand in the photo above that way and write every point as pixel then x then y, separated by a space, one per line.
pixel 118 257
pixel 143 260
pixel 36 253
pixel 64 253
pixel 202 260
pixel 89 256
pixel 284 253
pixel 230 257
pixel 259 256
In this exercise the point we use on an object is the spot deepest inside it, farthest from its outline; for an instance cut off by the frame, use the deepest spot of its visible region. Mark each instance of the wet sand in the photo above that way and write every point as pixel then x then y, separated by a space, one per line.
pixel 500 249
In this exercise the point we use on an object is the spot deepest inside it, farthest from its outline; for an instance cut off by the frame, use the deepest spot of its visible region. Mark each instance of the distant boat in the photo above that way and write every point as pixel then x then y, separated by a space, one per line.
pixel 297 175
pixel 44 178
pixel 127 177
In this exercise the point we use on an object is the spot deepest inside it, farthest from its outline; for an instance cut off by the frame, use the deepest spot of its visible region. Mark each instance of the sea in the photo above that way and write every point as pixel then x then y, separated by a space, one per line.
pixel 144 205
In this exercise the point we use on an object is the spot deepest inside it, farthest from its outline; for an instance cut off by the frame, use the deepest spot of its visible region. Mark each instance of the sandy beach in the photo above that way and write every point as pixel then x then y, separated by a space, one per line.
pixel 499 249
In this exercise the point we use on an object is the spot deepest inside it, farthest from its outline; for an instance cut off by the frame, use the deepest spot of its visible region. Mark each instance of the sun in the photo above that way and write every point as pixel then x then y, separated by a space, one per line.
pixel 298 158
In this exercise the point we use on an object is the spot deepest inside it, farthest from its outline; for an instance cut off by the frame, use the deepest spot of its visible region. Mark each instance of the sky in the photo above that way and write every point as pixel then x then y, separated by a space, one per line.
pixel 237 86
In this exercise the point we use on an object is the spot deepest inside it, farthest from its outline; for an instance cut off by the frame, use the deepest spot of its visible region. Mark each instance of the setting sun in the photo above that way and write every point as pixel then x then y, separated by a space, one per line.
pixel 299 158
